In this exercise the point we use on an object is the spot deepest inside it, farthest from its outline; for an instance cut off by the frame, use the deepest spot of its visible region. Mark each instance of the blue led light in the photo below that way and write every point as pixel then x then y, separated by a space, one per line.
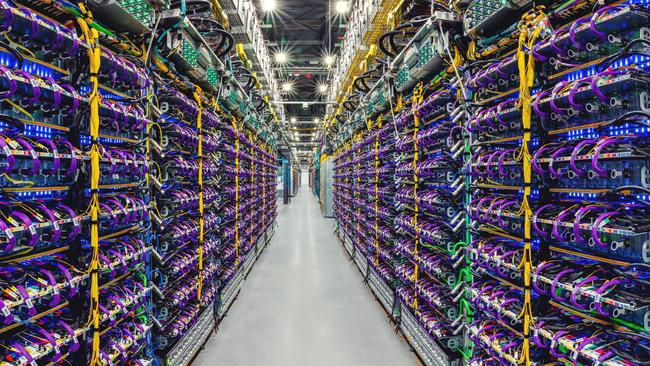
pixel 616 130
pixel 34 68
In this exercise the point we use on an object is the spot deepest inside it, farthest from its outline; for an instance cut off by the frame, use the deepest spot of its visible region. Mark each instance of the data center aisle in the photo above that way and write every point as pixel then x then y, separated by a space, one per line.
pixel 304 303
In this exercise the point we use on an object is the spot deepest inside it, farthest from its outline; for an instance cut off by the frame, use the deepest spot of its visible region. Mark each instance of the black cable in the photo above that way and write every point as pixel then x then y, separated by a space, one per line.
pixel 625 51
pixel 624 118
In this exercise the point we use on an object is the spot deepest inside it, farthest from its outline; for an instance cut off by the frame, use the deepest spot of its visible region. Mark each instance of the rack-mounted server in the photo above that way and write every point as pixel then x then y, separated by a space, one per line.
pixel 490 165
pixel 133 188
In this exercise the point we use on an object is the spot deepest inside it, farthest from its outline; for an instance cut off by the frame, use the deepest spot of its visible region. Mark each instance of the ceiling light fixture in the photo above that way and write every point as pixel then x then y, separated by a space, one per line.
pixel 268 5
pixel 329 60
pixel 294 119
pixel 281 57
pixel 316 120
pixel 287 86
pixel 342 7
pixel 322 88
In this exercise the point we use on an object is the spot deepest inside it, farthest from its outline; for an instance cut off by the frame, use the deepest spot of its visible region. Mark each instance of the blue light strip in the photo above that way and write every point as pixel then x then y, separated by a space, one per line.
pixel 34 68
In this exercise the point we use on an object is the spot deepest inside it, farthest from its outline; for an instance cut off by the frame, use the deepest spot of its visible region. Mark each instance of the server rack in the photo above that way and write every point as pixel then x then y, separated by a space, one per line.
pixel 517 131
pixel 137 180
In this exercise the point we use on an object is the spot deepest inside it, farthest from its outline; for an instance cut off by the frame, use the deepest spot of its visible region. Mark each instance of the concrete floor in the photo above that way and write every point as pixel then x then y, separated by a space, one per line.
pixel 304 303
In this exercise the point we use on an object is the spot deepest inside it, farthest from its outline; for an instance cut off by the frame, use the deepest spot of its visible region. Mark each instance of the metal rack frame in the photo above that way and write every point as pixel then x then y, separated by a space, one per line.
pixel 427 350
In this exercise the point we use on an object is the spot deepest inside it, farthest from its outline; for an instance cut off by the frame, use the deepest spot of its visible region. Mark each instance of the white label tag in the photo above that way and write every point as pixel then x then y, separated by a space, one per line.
pixel 55 153
pixel 9 234
pixel 34 83
pixel 75 222
pixel 56 349
pixel 56 225
pixel 111 316
pixel 55 290
pixel 32 229
pixel 29 303
pixel 5 311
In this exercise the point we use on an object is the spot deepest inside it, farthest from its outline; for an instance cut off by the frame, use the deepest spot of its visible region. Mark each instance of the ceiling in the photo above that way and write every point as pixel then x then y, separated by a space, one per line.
pixel 304 32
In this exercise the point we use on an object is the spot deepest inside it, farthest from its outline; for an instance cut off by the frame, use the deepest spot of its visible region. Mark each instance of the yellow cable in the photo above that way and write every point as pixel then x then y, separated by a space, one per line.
pixel 90 36
pixel 20 109
pixel 417 99
pixel 199 127
pixel 27 183
pixel 21 47
pixel 234 124
pixel 526 67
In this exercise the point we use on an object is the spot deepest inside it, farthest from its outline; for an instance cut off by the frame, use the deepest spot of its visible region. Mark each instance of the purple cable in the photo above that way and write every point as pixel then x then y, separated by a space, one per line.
pixel 488 163
pixel 601 290
pixel 596 225
pixel 11 81
pixel 33 82
pixel 539 231
pixel 574 155
pixel 36 163
pixel 75 346
pixel 561 52
pixel 554 91
pixel 56 298
pixel 68 277
pixel 75 222
pixel 572 30
pixel 56 94
pixel 52 342
pixel 556 280
pixel 56 230
pixel 574 89
pixel 28 223
pixel 594 18
pixel 56 160
pixel 504 153
pixel 597 151
pixel 594 83
pixel 536 338
pixel 537 55
pixel 556 337
pixel 576 223
pixel 10 159
pixel 577 287
pixel 536 107
pixel 556 223
pixel 540 268
pixel 31 311
pixel 537 168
